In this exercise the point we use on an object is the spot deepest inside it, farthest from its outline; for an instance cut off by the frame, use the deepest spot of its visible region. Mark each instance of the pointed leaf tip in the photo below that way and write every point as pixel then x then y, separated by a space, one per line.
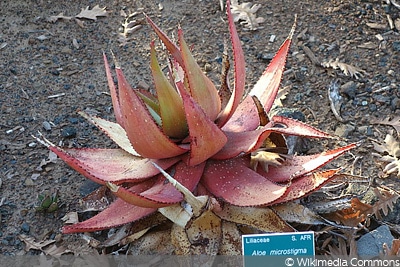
pixel 201 87
pixel 117 214
pixel 206 138
pixel 113 92
pixel 170 103
pixel 143 132
pixel 239 72
pixel 267 86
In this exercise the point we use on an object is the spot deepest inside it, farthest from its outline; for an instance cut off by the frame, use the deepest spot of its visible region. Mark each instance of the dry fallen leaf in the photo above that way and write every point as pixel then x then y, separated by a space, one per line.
pixel 51 159
pixel 295 212
pixel 54 250
pixel 30 243
pixel 57 17
pixel 377 26
pixel 395 122
pixel 70 218
pixel 391 148
pixel 92 13
pixel 129 26
pixel 246 12
pixel 347 69
pixel 265 159
pixel 282 93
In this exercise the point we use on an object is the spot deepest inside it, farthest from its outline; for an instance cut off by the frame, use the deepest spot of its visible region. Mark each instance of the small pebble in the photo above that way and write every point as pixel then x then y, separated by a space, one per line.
pixel 46 125
pixel 55 72
pixel 367 130
pixel 207 67
pixel 272 38
pixel 395 104
pixel 32 144
pixel 265 56
pixel 68 132
pixel 344 130
pixel 349 89
pixel 382 99
pixel 25 227
pixel 73 120
pixel 386 8
pixel 396 46
pixel 29 182
pixel 58 238
pixel 372 107
pixel 13 71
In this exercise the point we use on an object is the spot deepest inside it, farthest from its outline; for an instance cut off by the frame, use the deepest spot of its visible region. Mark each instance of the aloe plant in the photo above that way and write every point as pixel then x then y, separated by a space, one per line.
pixel 225 153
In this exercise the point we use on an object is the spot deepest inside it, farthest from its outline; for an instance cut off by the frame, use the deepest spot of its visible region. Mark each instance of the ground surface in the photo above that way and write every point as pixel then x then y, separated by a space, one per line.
pixel 40 59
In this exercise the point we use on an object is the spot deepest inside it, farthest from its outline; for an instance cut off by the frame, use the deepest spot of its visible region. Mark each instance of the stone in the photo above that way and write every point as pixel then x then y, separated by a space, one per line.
pixel 344 130
pixel 68 132
pixel 25 227
pixel 371 244
pixel 46 125
pixel 349 89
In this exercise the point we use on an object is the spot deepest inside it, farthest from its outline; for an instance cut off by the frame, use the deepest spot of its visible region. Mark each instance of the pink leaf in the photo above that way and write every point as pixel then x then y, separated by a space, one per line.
pixel 246 142
pixel 206 138
pixel 144 134
pixel 297 166
pixel 171 47
pixel 117 214
pixel 307 184
pixel 162 194
pixel 110 165
pixel 234 182
pixel 245 118
pixel 201 87
pixel 267 86
pixel 113 92
pixel 240 72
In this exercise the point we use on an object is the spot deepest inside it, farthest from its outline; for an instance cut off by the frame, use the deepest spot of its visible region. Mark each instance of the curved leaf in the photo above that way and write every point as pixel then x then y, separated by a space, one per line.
pixel 239 72
pixel 117 214
pixel 171 47
pixel 234 182
pixel 171 107
pixel 246 142
pixel 112 130
pixel 206 138
pixel 113 92
pixel 145 136
pixel 110 165
pixel 307 184
pixel 267 86
pixel 161 194
pixel 201 87
pixel 297 166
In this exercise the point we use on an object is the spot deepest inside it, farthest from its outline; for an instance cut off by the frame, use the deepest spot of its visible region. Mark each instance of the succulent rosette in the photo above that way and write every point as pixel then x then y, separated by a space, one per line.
pixel 219 145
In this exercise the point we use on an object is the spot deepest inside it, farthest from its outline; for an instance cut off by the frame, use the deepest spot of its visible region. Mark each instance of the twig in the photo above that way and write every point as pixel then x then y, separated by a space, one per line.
pixel 311 56
pixel 57 95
